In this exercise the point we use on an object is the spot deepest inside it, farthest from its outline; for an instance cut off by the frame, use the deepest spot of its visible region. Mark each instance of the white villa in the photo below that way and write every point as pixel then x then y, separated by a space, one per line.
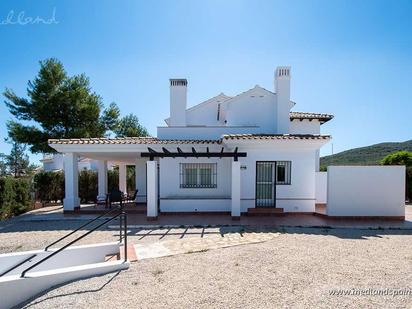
pixel 234 155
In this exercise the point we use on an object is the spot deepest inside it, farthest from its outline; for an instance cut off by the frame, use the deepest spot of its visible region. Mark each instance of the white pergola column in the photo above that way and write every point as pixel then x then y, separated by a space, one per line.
pixel 122 178
pixel 152 211
pixel 140 174
pixel 71 182
pixel 235 190
pixel 102 178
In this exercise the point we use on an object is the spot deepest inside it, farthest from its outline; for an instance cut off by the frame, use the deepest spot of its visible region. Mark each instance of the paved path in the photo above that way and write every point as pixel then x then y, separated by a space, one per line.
pixel 211 240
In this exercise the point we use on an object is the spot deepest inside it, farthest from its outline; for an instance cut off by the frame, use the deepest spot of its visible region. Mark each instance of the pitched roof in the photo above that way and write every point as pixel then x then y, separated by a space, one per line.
pixel 154 140
pixel 126 140
pixel 274 136
pixel 304 115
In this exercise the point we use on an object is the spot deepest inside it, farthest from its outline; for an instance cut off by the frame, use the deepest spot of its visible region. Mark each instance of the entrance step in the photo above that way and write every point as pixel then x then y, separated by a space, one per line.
pixel 265 211
pixel 131 253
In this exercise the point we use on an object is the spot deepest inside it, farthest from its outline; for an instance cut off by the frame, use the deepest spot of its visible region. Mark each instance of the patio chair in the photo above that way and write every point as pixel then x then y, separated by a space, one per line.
pixel 131 198
pixel 116 196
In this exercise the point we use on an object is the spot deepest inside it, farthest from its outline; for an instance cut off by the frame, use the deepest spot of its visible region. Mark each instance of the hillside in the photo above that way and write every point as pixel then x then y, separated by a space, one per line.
pixel 369 155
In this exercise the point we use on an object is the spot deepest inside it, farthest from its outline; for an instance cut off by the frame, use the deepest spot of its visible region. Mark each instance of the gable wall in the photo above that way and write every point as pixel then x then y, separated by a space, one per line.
pixel 203 115
pixel 304 127
pixel 256 109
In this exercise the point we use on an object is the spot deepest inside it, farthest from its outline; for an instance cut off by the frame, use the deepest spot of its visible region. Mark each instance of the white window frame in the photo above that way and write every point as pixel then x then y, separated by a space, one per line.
pixel 198 167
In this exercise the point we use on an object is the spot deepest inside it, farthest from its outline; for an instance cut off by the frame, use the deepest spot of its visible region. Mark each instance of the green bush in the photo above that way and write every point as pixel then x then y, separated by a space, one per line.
pixel 49 186
pixel 88 186
pixel 112 179
pixel 402 158
pixel 14 196
pixel 409 183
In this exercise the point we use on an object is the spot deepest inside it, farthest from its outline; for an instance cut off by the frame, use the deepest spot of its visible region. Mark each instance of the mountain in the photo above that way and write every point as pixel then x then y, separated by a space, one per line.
pixel 370 155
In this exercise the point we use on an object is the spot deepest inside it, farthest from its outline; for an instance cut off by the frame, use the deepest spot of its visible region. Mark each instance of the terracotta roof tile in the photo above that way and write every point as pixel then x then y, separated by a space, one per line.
pixel 274 136
pixel 153 140
pixel 304 115
pixel 126 140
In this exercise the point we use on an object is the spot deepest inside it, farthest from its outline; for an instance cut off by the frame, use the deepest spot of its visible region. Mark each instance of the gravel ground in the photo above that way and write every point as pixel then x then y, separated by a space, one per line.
pixel 296 269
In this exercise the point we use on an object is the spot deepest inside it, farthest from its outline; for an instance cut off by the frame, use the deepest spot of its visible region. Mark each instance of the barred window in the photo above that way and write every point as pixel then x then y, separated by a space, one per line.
pixel 198 175
pixel 283 170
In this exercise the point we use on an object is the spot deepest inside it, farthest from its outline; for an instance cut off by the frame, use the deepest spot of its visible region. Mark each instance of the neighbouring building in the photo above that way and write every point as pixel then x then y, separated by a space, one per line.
pixel 55 162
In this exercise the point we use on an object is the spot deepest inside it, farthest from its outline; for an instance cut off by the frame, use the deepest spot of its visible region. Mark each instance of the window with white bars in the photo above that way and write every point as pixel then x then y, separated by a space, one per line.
pixel 283 170
pixel 198 175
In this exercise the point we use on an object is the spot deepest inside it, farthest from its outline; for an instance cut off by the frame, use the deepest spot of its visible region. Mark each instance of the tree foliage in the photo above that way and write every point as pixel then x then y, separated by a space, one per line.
pixel 62 106
pixel 398 158
pixel 129 126
pixel 402 158
pixel 14 196
pixel 17 161
pixel 3 165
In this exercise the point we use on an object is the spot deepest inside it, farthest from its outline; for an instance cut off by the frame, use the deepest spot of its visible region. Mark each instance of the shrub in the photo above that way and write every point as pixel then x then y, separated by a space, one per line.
pixel 49 186
pixel 14 196
pixel 88 186
pixel 402 158
pixel 112 179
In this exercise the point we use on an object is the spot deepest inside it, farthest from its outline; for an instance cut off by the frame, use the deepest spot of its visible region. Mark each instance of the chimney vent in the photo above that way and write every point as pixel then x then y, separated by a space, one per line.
pixel 178 82
pixel 283 72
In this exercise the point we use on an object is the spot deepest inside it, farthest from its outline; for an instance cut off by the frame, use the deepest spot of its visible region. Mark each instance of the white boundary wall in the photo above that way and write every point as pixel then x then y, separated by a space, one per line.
pixel 321 185
pixel 366 191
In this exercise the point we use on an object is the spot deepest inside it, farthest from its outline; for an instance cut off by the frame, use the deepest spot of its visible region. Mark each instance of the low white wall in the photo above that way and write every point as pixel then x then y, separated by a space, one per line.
pixel 72 256
pixel 195 205
pixel 321 184
pixel 19 290
pixel 70 264
pixel 366 191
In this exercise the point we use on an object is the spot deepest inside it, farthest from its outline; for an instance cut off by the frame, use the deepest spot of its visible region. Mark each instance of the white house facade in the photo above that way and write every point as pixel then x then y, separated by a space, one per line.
pixel 231 155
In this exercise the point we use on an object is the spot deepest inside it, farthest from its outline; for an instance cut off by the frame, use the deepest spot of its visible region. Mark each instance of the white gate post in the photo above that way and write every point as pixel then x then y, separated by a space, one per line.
pixel 236 190
pixel 102 178
pixel 71 182
pixel 152 211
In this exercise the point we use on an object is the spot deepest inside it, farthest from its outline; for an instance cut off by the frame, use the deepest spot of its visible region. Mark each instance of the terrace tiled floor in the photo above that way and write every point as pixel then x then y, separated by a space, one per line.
pixel 296 220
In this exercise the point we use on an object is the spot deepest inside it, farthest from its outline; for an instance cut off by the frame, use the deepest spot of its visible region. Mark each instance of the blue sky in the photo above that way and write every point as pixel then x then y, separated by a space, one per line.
pixel 349 58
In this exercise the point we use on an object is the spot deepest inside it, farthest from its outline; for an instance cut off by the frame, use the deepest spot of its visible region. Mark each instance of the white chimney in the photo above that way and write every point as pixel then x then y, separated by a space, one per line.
pixel 178 102
pixel 282 89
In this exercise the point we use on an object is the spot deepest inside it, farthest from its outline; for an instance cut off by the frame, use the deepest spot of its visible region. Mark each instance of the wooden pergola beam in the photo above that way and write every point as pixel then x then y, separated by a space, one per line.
pixel 193 154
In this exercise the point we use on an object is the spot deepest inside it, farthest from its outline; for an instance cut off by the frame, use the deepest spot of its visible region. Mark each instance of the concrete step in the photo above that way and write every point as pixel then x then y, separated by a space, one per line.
pixel 265 211
pixel 131 253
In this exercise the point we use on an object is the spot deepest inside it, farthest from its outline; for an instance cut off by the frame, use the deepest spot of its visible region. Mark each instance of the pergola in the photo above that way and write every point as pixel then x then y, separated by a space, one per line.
pixel 194 154
pixel 151 170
